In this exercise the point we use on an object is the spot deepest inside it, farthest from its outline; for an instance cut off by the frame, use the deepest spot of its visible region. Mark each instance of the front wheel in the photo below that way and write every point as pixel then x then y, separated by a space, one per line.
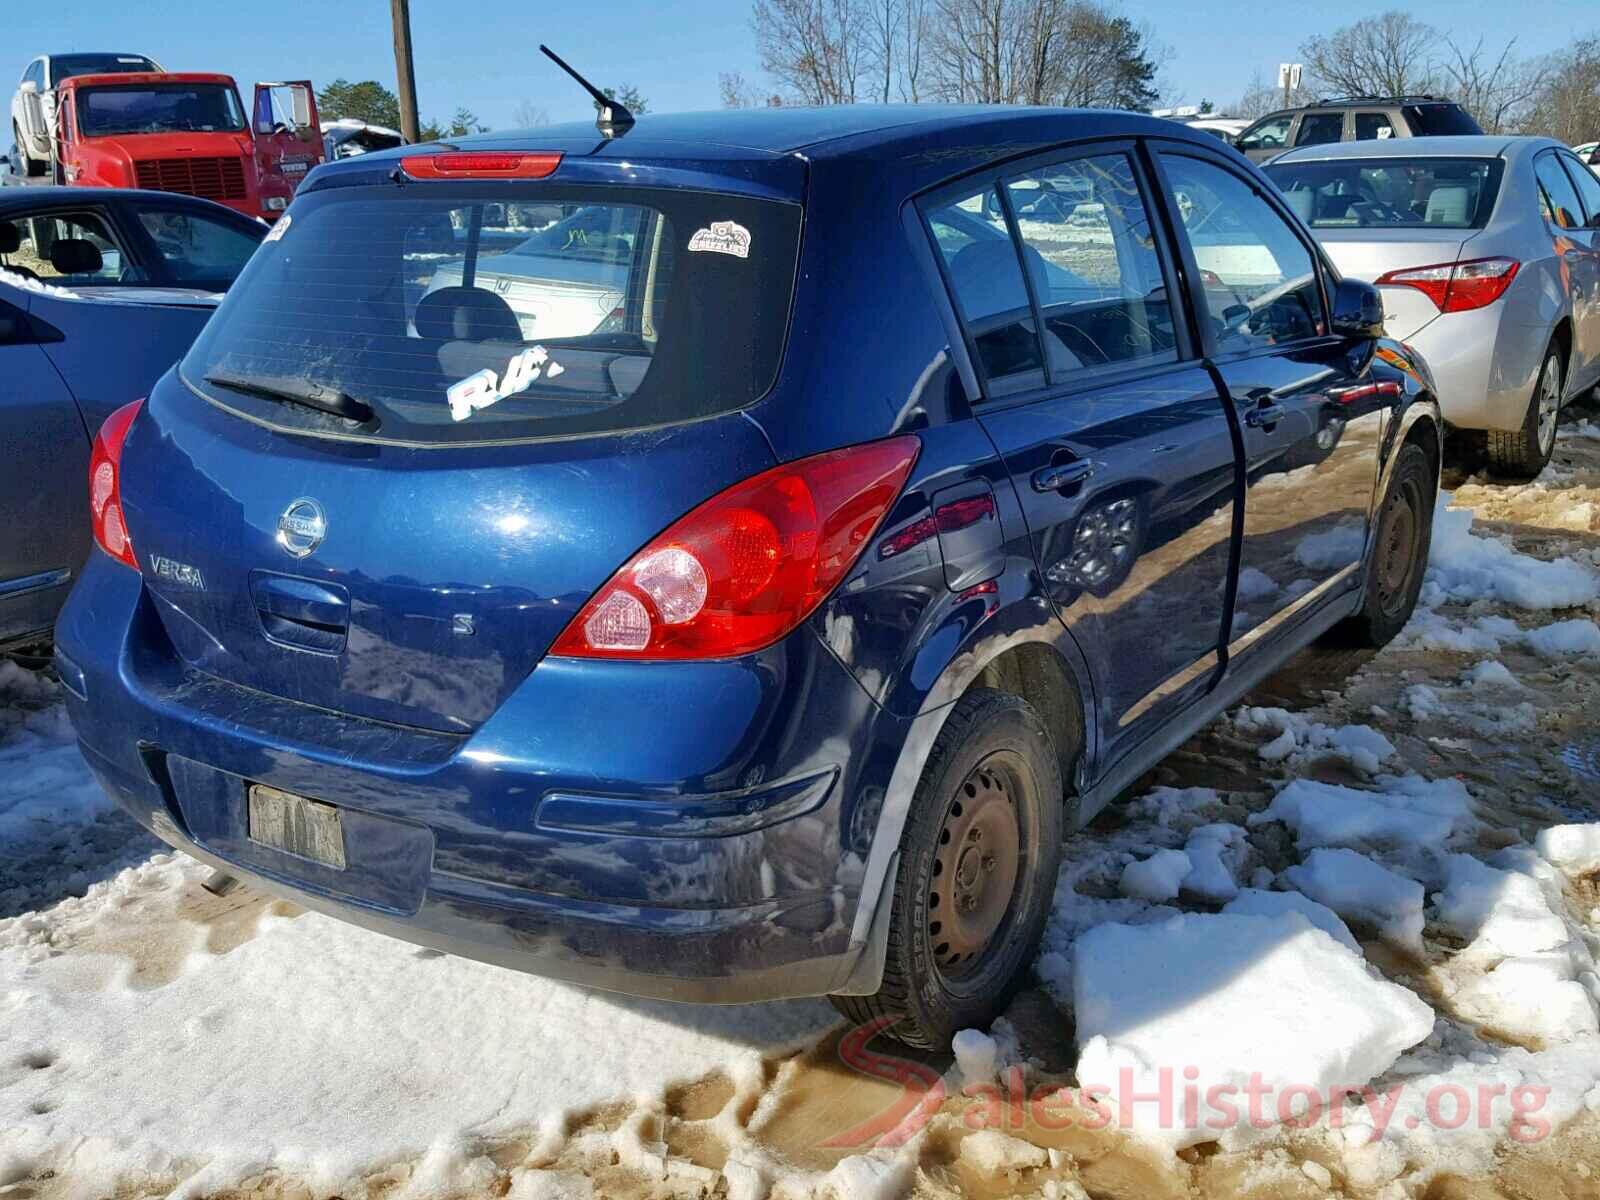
pixel 1520 456
pixel 31 166
pixel 1400 545
pixel 978 862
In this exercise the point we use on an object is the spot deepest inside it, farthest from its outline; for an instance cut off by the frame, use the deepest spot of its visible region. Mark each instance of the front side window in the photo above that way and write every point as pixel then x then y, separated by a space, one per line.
pixel 469 312
pixel 1373 126
pixel 986 276
pixel 76 250
pixel 1271 134
pixel 1558 198
pixel 199 250
pixel 1391 193
pixel 1090 246
pixel 1260 279
pixel 1318 129
pixel 159 108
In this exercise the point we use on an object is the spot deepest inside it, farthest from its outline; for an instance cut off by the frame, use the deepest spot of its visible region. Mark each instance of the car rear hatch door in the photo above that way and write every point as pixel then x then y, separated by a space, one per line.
pixel 380 498
pixel 1370 254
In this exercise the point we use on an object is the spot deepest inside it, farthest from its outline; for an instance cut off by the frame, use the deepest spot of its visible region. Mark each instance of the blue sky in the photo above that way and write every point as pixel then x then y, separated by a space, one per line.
pixel 485 55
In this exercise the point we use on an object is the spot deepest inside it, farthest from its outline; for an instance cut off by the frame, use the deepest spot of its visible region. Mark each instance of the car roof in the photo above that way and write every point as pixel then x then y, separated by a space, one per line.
pixel 1487 145
pixel 15 201
pixel 951 132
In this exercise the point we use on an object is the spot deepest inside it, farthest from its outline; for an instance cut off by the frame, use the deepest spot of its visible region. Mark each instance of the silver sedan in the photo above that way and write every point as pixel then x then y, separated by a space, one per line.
pixel 1487 253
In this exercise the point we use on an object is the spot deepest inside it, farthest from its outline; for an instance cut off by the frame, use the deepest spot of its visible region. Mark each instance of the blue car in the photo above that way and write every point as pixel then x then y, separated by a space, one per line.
pixel 766 638
pixel 101 290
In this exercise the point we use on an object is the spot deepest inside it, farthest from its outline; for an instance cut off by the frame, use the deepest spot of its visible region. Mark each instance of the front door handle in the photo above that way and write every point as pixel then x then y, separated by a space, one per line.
pixel 1265 416
pixel 1062 475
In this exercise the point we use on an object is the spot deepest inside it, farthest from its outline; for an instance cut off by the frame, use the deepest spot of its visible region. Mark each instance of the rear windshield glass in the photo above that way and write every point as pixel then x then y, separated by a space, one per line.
pixel 159 108
pixel 65 66
pixel 445 313
pixel 1391 193
pixel 1439 120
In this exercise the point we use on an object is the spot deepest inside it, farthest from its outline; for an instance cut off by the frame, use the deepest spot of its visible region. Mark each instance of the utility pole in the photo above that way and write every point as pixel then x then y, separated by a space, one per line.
pixel 405 74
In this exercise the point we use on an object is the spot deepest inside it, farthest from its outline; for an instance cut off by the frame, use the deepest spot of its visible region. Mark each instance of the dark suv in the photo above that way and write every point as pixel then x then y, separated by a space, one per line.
pixel 743 595
pixel 1354 119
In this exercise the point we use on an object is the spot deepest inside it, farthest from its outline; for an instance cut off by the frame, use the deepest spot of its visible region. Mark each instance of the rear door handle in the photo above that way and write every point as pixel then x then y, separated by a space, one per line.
pixel 1265 416
pixel 1062 475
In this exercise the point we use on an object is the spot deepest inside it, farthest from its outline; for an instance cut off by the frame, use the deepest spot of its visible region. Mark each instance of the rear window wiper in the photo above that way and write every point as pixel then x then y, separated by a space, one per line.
pixel 303 392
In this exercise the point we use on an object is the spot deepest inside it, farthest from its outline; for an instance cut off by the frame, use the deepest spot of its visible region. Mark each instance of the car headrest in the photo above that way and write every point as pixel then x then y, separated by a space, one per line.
pixel 75 256
pixel 464 314
pixel 982 275
pixel 1302 200
pixel 10 238
pixel 1447 206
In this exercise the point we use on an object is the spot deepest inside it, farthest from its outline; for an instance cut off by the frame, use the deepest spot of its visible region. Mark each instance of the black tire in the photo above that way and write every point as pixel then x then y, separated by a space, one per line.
pixel 1520 456
pixel 1401 541
pixel 992 743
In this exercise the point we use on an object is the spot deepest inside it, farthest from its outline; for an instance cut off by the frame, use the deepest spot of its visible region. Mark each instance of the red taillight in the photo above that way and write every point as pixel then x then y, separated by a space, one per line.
pixel 1458 287
pixel 105 486
pixel 458 164
pixel 746 567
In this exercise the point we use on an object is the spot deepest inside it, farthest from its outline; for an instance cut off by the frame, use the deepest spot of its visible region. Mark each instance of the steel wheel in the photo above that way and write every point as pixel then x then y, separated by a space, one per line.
pixel 1395 558
pixel 975 869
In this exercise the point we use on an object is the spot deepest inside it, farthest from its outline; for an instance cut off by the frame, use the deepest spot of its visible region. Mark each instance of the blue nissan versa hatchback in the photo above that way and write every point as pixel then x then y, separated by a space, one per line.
pixel 742 593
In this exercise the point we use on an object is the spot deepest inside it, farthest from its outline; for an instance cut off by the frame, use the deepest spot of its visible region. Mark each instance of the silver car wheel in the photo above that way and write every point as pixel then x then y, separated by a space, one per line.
pixel 1549 404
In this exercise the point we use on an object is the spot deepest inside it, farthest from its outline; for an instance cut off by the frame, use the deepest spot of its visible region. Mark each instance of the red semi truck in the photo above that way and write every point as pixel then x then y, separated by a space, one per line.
pixel 188 132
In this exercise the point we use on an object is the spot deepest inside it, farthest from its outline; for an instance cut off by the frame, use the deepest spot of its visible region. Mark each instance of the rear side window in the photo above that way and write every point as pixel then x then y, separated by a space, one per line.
pixel 454 313
pixel 981 263
pixel 1260 280
pixel 1373 126
pixel 1439 120
pixel 1318 129
pixel 198 250
pixel 1089 243
pixel 1391 193
pixel 75 250
pixel 1558 199
pixel 1587 184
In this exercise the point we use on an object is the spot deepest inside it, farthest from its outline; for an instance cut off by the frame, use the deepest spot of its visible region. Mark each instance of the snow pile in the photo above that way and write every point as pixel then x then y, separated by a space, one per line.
pixel 1490 673
pixel 1575 849
pixel 976 1053
pixel 1207 867
pixel 1463 567
pixel 29 284
pixel 1564 638
pixel 1299 739
pixel 1229 1001
pixel 1254 902
pixel 1537 978
pixel 1156 878
pixel 323 1050
pixel 1361 890
pixel 1406 812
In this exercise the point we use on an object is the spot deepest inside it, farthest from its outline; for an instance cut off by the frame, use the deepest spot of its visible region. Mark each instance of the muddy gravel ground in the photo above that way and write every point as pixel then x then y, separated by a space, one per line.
pixel 1525 753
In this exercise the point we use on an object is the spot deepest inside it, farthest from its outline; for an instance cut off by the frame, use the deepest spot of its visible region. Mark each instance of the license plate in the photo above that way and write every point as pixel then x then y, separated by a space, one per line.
pixel 296 825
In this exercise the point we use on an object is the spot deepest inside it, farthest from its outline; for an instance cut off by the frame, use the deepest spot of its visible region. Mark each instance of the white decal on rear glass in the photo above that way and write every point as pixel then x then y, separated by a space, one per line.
pixel 483 388
pixel 278 230
pixel 723 237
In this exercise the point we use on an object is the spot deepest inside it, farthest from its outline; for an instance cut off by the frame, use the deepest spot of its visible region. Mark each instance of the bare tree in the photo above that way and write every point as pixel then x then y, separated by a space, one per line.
pixel 1260 98
pixel 1495 89
pixel 738 93
pixel 1387 55
pixel 528 115
pixel 883 22
pixel 817 49
pixel 913 34
pixel 1567 104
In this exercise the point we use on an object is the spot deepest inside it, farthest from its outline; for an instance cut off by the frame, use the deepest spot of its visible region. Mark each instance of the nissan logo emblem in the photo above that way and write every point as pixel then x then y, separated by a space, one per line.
pixel 302 527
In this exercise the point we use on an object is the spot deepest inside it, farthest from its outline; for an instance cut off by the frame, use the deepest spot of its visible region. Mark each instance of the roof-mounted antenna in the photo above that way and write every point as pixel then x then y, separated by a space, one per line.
pixel 614 119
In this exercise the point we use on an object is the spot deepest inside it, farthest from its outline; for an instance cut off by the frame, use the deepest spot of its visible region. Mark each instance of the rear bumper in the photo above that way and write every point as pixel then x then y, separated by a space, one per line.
pixel 1484 364
pixel 696 832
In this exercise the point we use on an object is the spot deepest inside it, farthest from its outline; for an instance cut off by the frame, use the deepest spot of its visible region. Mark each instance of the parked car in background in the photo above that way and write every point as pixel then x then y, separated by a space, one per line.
pixel 713 650
pixel 1487 252
pixel 346 137
pixel 100 292
pixel 188 133
pixel 1354 119
pixel 1589 153
pixel 33 105
pixel 1223 127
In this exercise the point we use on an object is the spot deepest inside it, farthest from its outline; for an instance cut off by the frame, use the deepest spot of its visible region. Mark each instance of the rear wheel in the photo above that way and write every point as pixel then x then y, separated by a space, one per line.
pixel 1401 541
pixel 978 862
pixel 1519 456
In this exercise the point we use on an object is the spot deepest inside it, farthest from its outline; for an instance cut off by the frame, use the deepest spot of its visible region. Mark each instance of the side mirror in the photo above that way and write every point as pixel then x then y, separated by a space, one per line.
pixel 1357 310
pixel 28 87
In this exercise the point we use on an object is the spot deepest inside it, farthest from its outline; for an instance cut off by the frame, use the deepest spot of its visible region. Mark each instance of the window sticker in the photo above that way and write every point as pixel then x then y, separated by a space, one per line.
pixel 483 388
pixel 722 237
pixel 278 230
